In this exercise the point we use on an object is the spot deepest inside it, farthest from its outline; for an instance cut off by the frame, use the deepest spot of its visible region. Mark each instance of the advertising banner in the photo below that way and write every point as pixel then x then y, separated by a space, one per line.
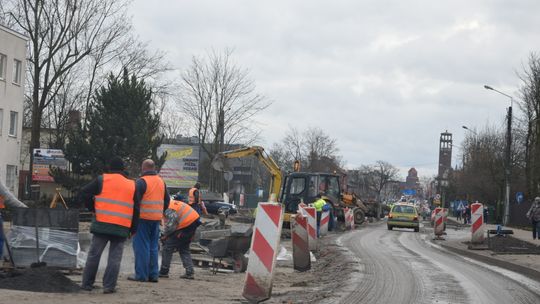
pixel 181 167
pixel 44 160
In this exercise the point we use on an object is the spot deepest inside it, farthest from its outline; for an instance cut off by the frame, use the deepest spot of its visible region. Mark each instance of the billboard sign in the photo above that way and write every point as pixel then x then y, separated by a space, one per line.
pixel 181 167
pixel 44 160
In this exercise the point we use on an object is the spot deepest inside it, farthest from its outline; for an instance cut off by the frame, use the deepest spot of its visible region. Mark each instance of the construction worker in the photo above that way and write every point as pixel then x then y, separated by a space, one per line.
pixel 319 204
pixel 154 202
pixel 181 222
pixel 114 199
pixel 195 200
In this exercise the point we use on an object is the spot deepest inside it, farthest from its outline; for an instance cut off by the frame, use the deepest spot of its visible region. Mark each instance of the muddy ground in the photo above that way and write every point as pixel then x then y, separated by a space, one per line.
pixel 332 268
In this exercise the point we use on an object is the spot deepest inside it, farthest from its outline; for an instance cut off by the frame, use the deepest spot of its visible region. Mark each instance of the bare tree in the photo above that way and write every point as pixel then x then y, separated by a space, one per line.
pixel 377 177
pixel 62 34
pixel 530 105
pixel 220 101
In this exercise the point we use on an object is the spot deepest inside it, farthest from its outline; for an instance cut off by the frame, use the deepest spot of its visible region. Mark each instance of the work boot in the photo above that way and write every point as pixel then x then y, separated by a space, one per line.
pixel 164 275
pixel 188 276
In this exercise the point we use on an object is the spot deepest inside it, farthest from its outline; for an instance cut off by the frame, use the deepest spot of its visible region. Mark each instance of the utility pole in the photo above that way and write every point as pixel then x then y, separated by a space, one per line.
pixel 508 156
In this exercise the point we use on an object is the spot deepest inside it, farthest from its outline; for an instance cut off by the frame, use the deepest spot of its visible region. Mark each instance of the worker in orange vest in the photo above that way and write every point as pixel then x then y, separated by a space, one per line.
pixel 154 202
pixel 181 222
pixel 195 200
pixel 114 200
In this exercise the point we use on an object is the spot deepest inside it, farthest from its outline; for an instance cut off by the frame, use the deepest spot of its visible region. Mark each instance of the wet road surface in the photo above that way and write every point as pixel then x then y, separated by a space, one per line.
pixel 402 266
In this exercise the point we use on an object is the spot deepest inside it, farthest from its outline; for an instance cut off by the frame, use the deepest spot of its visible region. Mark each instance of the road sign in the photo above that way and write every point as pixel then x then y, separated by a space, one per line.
pixel 519 197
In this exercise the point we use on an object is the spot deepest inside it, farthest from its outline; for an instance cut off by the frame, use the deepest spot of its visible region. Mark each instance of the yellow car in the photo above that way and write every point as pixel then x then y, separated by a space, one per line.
pixel 403 216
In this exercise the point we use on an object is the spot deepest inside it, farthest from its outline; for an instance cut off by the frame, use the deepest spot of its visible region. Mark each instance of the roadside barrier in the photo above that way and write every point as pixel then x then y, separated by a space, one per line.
pixel 312 227
pixel 325 219
pixel 348 214
pixel 439 222
pixel 299 237
pixel 477 227
pixel 263 251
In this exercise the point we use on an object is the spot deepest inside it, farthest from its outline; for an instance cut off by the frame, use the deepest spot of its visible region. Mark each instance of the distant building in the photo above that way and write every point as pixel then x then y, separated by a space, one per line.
pixel 12 71
pixel 445 155
pixel 412 184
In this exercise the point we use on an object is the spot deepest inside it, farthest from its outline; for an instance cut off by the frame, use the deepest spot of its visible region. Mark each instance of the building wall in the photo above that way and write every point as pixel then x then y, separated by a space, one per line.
pixel 12 47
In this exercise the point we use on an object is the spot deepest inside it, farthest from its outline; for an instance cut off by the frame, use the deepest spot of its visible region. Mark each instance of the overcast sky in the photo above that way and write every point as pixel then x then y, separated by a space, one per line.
pixel 384 78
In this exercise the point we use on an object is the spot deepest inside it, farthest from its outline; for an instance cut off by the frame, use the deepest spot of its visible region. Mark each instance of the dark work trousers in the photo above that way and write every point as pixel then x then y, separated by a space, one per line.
pixel 179 240
pixel 319 213
pixel 535 229
pixel 116 248
pixel 145 247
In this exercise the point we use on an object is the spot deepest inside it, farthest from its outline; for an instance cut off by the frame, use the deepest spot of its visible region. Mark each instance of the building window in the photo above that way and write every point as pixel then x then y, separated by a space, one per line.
pixel 17 71
pixel 1 120
pixel 11 176
pixel 3 63
pixel 13 122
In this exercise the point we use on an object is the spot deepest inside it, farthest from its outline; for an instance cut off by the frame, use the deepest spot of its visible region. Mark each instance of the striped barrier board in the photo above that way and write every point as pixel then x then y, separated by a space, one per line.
pixel 263 252
pixel 312 227
pixel 348 215
pixel 439 222
pixel 325 219
pixel 299 238
pixel 477 227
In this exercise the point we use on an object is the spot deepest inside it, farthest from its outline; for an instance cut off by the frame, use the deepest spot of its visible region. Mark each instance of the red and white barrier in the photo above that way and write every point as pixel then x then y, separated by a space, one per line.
pixel 439 222
pixel 348 214
pixel 312 227
pixel 325 219
pixel 300 241
pixel 477 227
pixel 241 203
pixel 263 252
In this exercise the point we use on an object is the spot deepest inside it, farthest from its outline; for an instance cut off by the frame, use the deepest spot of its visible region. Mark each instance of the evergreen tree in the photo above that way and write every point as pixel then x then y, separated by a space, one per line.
pixel 122 122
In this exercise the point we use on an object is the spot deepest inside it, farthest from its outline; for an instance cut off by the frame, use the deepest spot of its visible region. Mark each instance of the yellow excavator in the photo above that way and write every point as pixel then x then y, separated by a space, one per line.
pixel 297 187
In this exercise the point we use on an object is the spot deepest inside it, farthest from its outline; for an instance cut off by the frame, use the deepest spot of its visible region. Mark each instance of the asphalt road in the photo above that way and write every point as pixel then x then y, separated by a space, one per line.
pixel 402 266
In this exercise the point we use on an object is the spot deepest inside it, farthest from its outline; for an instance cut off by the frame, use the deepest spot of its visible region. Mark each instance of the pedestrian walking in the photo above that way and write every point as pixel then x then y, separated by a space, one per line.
pixel 154 202
pixel 195 200
pixel 486 213
pixel 534 216
pixel 468 214
pixel 114 200
pixel 181 222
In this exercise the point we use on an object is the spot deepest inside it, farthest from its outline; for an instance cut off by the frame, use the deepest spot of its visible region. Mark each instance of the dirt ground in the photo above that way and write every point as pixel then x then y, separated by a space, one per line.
pixel 328 273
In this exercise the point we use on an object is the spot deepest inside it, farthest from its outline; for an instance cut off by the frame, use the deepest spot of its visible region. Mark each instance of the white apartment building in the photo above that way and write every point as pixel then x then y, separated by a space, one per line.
pixel 12 71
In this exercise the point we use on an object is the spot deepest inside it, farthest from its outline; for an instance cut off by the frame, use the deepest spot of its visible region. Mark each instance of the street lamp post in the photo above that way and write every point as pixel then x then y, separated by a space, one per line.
pixel 508 165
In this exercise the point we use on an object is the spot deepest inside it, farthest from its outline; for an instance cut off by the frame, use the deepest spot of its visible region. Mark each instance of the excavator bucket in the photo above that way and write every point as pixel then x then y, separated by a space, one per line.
pixel 219 162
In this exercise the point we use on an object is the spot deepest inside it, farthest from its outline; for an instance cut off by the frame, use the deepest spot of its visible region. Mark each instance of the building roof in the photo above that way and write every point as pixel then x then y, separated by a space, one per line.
pixel 13 32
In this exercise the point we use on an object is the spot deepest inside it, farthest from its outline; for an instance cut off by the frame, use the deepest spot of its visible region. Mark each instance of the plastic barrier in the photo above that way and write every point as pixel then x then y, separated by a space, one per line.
pixel 325 219
pixel 299 237
pixel 439 222
pixel 312 227
pixel 477 227
pixel 263 252
pixel 348 214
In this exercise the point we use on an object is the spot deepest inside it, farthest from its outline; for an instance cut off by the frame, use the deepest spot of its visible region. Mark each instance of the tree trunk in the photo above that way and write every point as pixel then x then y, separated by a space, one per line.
pixel 10 199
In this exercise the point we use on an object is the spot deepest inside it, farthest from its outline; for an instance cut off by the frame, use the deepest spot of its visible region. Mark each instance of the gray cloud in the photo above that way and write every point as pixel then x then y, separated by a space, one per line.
pixel 383 77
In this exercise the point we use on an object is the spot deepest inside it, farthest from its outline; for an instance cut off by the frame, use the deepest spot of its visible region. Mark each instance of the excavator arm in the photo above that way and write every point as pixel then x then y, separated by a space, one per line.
pixel 275 183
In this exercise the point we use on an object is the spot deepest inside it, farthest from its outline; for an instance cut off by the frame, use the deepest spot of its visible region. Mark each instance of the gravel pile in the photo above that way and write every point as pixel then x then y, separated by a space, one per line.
pixel 41 279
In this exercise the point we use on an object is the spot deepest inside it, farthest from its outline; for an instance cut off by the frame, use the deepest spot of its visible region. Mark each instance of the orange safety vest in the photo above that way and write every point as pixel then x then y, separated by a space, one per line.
pixel 186 214
pixel 2 204
pixel 152 200
pixel 114 205
pixel 192 196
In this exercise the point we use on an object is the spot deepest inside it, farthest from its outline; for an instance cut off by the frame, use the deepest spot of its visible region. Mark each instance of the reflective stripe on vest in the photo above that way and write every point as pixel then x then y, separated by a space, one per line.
pixel 192 196
pixel 186 214
pixel 152 200
pixel 114 205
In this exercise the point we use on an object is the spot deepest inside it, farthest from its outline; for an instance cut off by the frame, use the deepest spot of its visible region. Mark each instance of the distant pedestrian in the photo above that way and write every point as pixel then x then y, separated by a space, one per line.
pixel 486 213
pixel 319 204
pixel 534 216
pixel 154 202
pixel 181 222
pixel 114 200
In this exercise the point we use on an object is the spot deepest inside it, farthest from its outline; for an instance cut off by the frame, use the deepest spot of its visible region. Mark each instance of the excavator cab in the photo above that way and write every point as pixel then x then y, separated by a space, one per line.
pixel 303 186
